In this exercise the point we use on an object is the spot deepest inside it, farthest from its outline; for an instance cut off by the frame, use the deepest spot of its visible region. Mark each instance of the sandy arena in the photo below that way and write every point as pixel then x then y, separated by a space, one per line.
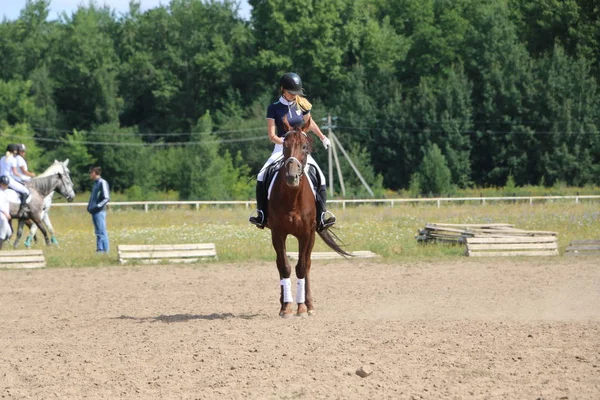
pixel 491 329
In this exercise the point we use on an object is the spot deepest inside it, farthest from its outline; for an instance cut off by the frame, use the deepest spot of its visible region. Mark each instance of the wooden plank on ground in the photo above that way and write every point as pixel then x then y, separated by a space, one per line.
pixel 583 247
pixel 540 253
pixel 162 260
pixel 168 254
pixel 578 242
pixel 513 246
pixel 151 247
pixel 328 255
pixel 22 259
pixel 22 265
pixel 475 225
pixel 21 253
pixel 518 239
pixel 589 247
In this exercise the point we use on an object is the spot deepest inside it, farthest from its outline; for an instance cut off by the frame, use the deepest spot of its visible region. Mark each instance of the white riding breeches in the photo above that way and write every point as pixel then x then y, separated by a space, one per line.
pixel 277 155
pixel 5 230
pixel 16 186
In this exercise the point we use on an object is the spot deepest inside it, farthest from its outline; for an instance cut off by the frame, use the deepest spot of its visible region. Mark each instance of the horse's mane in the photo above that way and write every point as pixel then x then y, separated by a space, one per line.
pixel 303 127
pixel 57 167
pixel 41 183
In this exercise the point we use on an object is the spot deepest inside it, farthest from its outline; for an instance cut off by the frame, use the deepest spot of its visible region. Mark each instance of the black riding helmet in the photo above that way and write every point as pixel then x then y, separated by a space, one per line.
pixel 291 82
pixel 12 148
pixel 4 180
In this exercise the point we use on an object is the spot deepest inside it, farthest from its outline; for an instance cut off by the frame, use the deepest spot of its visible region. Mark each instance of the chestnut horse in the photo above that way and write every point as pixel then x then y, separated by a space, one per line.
pixel 292 211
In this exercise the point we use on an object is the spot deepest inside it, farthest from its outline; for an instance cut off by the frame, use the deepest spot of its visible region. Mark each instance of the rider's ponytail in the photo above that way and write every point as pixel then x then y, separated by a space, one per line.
pixel 303 103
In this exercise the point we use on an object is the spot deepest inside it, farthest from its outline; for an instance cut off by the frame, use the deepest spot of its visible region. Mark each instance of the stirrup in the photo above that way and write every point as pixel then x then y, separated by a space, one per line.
pixel 325 222
pixel 259 220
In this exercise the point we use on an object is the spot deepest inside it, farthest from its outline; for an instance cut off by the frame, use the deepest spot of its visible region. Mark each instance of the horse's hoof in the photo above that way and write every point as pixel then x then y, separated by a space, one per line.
pixel 302 314
pixel 286 314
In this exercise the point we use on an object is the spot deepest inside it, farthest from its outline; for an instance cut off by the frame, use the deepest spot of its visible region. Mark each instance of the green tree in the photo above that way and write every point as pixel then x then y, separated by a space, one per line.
pixel 434 174
pixel 16 102
pixel 124 158
pixel 73 148
pixel 85 65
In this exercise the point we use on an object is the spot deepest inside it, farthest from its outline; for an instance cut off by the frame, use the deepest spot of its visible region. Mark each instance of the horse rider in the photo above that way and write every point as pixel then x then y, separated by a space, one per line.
pixel 8 167
pixel 292 104
pixel 24 173
pixel 5 229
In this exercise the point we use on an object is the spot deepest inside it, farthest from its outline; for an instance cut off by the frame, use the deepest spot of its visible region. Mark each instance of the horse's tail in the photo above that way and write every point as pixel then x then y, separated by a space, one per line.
pixel 333 241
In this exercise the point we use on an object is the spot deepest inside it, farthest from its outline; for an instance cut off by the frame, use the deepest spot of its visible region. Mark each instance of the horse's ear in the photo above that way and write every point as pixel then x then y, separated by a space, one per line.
pixel 66 162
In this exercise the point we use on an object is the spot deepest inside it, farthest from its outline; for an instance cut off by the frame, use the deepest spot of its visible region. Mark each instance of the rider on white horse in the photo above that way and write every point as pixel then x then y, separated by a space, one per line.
pixel 8 168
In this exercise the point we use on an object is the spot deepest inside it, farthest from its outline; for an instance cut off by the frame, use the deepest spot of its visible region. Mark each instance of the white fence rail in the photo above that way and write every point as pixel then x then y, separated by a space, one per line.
pixel 345 202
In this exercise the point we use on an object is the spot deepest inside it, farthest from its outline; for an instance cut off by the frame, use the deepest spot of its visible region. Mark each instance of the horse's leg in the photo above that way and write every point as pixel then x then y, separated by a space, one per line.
pixel 32 229
pixel 19 232
pixel 285 271
pixel 41 227
pixel 303 294
pixel 46 220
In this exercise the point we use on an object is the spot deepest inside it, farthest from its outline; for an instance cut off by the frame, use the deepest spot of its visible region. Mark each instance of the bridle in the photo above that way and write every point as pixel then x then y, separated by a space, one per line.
pixel 294 160
pixel 62 176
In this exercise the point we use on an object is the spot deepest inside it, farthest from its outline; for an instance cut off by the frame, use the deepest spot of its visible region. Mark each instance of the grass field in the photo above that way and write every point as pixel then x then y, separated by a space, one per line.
pixel 389 232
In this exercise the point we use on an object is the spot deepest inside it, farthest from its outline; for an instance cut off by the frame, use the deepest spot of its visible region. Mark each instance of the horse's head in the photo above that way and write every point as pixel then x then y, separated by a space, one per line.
pixel 296 148
pixel 65 188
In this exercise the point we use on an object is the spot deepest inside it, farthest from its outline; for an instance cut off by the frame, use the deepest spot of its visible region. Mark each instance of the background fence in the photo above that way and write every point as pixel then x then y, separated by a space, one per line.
pixel 345 202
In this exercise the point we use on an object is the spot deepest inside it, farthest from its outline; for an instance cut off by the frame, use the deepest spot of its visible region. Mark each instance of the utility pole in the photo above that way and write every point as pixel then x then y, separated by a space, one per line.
pixel 365 184
pixel 330 151
pixel 333 155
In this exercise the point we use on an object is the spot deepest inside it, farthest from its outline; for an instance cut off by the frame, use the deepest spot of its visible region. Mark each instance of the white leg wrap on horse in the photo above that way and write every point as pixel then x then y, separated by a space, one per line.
pixel 286 284
pixel 301 291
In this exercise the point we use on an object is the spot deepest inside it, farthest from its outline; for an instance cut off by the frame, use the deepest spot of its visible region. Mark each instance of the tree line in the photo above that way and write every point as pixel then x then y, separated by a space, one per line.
pixel 428 94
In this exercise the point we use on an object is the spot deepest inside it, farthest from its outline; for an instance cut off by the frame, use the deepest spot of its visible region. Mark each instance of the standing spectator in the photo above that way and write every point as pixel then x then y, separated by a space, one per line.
pixel 97 207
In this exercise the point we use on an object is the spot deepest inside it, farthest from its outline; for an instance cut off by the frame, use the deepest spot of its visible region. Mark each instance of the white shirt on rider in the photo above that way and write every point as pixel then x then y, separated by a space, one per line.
pixel 6 166
pixel 22 163
pixel 4 202
pixel 5 230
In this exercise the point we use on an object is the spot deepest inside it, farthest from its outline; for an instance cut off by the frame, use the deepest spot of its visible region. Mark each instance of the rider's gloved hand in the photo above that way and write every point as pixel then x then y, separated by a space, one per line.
pixel 326 142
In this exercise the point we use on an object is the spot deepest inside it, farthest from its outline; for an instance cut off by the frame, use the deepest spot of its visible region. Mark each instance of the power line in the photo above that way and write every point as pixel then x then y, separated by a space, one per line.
pixel 490 132
pixel 126 144
pixel 143 134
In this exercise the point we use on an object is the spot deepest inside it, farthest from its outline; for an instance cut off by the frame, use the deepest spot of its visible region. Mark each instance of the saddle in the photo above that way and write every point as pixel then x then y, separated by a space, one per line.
pixel 271 173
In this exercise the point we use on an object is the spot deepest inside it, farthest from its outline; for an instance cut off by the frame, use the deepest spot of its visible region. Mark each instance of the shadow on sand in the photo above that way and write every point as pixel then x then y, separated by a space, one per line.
pixel 188 317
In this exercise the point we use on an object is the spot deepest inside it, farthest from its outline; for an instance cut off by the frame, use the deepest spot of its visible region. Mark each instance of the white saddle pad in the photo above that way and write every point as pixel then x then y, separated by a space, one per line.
pixel 14 197
pixel 306 176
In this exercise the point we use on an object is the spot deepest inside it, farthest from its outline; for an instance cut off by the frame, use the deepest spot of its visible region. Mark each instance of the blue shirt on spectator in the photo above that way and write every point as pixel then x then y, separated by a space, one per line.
pixel 100 196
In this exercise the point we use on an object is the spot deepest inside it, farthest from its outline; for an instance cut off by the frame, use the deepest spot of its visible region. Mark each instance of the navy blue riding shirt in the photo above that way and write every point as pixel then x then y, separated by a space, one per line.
pixel 280 109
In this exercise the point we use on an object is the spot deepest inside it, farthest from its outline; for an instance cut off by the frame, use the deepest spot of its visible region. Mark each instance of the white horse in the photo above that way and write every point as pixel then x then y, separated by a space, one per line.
pixel 56 167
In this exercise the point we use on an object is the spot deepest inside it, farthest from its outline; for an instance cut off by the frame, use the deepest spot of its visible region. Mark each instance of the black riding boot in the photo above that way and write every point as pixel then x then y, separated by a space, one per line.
pixel 325 218
pixel 261 202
